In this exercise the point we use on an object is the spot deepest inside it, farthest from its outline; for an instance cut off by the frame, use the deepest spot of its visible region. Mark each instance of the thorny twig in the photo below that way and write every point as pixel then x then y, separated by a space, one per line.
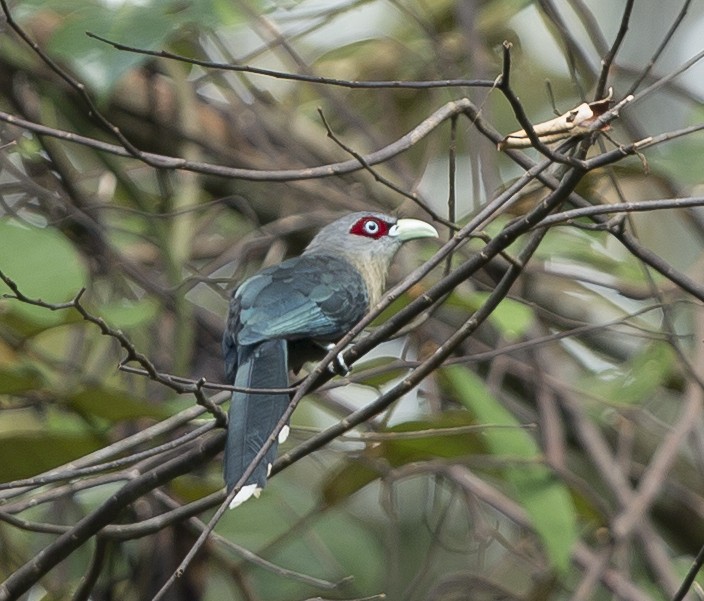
pixel 131 352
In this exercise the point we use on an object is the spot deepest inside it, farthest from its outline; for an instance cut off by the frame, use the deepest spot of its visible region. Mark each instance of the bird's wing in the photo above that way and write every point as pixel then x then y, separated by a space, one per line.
pixel 229 345
pixel 311 296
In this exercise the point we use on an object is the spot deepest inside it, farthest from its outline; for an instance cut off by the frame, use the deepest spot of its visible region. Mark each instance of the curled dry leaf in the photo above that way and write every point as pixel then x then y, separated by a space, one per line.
pixel 575 122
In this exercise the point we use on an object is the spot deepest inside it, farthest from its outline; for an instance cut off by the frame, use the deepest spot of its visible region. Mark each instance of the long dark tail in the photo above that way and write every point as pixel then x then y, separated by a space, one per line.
pixel 253 417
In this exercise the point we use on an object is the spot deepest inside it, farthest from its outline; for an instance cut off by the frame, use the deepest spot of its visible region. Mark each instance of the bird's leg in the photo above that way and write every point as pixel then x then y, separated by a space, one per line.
pixel 337 366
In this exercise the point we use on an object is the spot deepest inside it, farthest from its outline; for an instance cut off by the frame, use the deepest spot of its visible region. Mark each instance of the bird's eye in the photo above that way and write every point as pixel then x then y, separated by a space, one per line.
pixel 371 227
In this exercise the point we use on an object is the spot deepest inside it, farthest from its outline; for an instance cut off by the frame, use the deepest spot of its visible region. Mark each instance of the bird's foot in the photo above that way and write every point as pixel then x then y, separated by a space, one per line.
pixel 337 366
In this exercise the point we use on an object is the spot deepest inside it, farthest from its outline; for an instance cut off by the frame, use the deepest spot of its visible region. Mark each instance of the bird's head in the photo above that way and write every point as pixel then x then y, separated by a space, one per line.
pixel 368 241
pixel 369 236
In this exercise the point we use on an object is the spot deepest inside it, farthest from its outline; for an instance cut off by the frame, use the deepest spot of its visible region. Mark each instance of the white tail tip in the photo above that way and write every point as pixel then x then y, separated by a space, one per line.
pixel 245 493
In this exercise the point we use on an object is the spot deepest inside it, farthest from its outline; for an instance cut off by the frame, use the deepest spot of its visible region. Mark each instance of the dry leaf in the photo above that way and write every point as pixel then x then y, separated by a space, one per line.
pixel 574 122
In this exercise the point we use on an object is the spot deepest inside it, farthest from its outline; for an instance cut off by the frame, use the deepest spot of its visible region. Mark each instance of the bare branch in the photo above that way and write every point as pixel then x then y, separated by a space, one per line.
pixel 407 141
pixel 343 83
pixel 608 60
pixel 23 578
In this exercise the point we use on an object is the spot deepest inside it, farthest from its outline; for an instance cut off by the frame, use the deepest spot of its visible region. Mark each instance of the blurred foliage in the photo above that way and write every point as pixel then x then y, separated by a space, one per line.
pixel 488 481
pixel 545 499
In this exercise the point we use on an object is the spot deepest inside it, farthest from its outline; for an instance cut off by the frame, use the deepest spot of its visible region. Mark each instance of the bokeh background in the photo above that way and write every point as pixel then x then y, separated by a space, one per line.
pixel 557 454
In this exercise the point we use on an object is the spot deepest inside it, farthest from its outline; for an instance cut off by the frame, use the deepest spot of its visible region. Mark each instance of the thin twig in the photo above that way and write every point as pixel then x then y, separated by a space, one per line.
pixel 520 114
pixel 409 140
pixel 343 83
pixel 608 60
pixel 380 178
pixel 76 85
pixel 25 576
pixel 422 370
pixel 663 45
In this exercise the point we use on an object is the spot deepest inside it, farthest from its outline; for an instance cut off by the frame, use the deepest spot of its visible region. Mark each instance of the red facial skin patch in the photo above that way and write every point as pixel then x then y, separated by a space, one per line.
pixel 370 227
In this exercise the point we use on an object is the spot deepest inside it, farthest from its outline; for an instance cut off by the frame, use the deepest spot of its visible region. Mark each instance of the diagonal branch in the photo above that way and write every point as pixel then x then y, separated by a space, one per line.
pixel 76 85
pixel 25 576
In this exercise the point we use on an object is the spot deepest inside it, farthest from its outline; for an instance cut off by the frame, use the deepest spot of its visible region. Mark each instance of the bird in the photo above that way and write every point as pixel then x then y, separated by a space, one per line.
pixel 291 313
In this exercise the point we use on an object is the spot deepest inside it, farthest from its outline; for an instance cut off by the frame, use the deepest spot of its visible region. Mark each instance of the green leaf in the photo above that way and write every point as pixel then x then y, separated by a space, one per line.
pixel 19 377
pixel 353 477
pixel 141 25
pixel 511 318
pixel 577 245
pixel 356 548
pixel 546 500
pixel 96 62
pixel 44 265
pixel 438 440
pixel 126 314
pixel 636 380
pixel 383 375
pixel 28 453
pixel 113 404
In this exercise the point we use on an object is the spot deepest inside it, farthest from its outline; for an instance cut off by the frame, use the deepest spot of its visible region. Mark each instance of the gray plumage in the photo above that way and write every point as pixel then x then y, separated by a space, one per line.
pixel 293 309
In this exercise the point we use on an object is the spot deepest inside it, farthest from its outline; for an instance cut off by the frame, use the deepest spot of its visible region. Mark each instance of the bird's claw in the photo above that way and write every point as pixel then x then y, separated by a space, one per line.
pixel 338 366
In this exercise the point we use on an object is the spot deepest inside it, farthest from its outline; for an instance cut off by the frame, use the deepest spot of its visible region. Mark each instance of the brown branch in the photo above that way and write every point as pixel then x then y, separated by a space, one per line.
pixel 197 526
pixel 380 178
pixel 643 253
pixel 97 560
pixel 688 581
pixel 25 576
pixel 652 481
pixel 663 45
pixel 420 372
pixel 522 118
pixel 132 354
pixel 397 147
pixel 599 453
pixel 76 85
pixel 608 60
pixel 343 83
pixel 573 49
pixel 568 216
pixel 65 473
